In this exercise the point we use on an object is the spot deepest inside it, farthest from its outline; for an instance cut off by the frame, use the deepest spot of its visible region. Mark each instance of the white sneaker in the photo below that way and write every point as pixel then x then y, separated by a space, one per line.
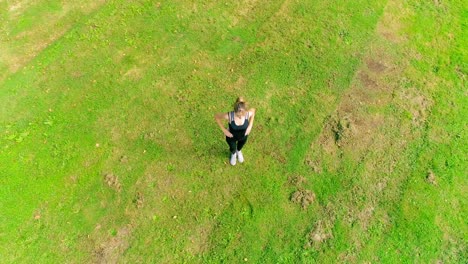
pixel 232 160
pixel 240 156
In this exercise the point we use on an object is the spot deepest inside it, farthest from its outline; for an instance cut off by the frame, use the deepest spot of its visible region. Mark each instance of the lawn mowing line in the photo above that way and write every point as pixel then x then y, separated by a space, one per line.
pixel 54 38
pixel 341 199
pixel 303 142
pixel 51 50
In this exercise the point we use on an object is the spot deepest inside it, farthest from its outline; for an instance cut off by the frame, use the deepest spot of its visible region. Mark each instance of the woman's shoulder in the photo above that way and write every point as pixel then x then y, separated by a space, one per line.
pixel 224 115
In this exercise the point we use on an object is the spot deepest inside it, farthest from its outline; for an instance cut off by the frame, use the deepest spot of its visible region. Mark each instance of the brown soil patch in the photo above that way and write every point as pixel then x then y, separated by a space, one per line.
pixel 357 126
pixel 351 128
pixel 16 9
pixel 303 197
pixel 349 132
pixel 16 55
pixel 375 66
pixel 111 250
pixel 37 215
pixel 413 101
pixel 367 80
pixel 279 157
pixel 16 59
pixel 365 216
pixel 123 159
pixel 283 10
pixel 133 74
pixel 367 126
pixel 380 186
pixel 431 178
pixel 112 181
pixel 320 233
pixel 297 180
pixel 246 7
pixel 138 200
pixel 390 24
pixel 342 129
pixel 315 165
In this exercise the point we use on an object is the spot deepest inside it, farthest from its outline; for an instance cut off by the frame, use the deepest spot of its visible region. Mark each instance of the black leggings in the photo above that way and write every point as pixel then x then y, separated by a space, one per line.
pixel 232 143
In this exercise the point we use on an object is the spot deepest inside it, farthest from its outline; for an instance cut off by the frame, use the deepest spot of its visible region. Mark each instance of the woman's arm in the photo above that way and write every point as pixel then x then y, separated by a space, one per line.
pixel 219 117
pixel 251 120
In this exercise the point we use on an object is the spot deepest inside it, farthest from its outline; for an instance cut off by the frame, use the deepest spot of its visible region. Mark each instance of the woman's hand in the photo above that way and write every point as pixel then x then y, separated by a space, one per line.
pixel 228 134
pixel 223 116
pixel 247 132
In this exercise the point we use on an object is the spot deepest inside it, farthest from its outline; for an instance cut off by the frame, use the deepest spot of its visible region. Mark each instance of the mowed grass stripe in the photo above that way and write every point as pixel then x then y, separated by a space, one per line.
pixel 31 169
pixel 26 28
pixel 142 163
pixel 399 159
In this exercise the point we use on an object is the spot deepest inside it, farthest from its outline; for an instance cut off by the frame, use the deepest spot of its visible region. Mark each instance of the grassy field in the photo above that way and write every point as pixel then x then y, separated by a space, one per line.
pixel 109 151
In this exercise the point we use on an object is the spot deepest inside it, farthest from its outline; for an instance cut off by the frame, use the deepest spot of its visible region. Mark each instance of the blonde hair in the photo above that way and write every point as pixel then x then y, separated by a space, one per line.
pixel 240 104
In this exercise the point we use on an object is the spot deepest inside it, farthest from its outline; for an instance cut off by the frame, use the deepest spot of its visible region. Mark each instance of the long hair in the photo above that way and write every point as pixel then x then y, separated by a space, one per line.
pixel 240 104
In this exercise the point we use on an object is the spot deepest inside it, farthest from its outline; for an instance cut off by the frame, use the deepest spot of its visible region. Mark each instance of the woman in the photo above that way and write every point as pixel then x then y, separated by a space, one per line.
pixel 240 124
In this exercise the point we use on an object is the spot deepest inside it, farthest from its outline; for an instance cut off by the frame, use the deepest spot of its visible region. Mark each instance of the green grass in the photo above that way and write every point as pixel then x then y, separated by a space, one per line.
pixel 129 89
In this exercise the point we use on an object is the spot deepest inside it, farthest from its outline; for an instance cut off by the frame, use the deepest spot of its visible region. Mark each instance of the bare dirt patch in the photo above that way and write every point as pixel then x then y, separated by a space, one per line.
pixel 112 181
pixel 314 164
pixel 431 178
pixel 303 198
pixel 18 50
pixel 123 159
pixel 283 10
pixel 279 157
pixel 297 180
pixel 16 8
pixel 342 129
pixel 351 127
pixel 367 80
pixel 369 127
pixel 365 216
pixel 134 74
pixel 37 215
pixel 138 200
pixel 111 250
pixel 246 7
pixel 320 233
pixel 390 24
pixel 15 57
pixel 375 66
pixel 348 132
pixel 413 101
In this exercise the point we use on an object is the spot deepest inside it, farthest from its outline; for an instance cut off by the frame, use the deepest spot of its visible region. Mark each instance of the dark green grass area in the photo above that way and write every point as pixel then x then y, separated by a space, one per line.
pixel 109 151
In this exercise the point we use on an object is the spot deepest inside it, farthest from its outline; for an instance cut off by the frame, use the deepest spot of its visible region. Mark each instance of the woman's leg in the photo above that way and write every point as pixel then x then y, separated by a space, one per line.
pixel 241 143
pixel 232 144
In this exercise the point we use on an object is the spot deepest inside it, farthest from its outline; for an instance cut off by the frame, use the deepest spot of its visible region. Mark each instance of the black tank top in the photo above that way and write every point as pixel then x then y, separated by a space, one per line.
pixel 238 131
